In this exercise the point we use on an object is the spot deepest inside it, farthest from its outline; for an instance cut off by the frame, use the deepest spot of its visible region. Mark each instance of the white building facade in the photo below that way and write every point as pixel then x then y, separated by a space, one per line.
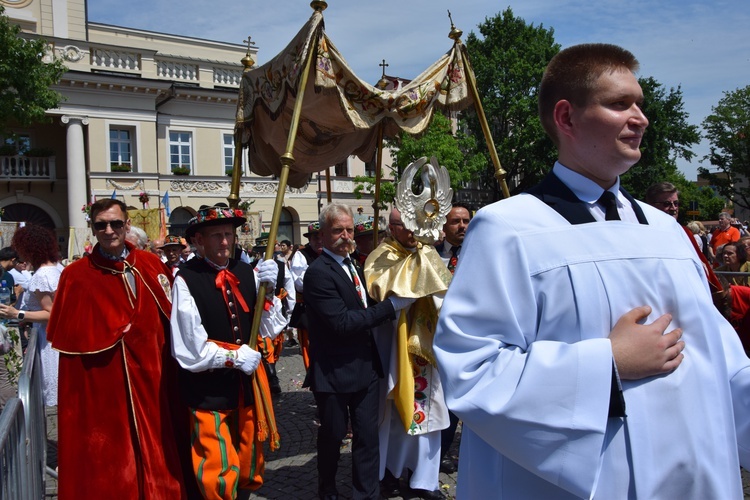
pixel 143 112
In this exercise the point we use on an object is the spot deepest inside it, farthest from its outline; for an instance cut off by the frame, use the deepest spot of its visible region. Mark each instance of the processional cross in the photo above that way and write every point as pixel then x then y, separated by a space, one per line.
pixel 144 221
pixel 383 65
pixel 249 42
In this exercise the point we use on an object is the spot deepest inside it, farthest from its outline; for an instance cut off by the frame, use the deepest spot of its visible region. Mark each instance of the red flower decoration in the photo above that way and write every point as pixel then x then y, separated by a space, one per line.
pixel 420 383
pixel 419 417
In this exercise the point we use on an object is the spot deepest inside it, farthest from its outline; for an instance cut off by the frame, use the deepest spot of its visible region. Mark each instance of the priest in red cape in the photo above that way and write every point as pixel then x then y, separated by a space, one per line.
pixel 117 379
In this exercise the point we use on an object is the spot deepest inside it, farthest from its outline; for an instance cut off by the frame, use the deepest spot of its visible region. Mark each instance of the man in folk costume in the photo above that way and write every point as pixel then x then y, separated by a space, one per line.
pixel 172 249
pixel 271 348
pixel 117 378
pixel 214 301
pixel 584 355
pixel 413 409
pixel 300 262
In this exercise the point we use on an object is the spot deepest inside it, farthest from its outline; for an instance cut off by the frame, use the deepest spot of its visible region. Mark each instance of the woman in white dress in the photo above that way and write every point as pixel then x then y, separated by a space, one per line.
pixel 37 246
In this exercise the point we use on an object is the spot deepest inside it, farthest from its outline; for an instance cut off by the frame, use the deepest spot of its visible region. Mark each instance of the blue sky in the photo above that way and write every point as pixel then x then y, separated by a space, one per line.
pixel 703 46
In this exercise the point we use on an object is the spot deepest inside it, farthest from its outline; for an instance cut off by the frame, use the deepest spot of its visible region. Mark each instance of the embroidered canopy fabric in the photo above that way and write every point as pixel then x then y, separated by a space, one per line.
pixel 340 113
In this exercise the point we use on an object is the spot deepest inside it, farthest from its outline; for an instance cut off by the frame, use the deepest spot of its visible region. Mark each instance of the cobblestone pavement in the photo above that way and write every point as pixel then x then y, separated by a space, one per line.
pixel 290 471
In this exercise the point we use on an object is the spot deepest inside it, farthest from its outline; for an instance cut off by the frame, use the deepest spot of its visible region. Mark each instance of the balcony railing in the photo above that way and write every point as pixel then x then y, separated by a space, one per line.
pixel 27 168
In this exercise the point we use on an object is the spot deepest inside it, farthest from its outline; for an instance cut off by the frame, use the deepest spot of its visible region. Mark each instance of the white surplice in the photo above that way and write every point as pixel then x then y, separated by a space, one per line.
pixel 526 364
pixel 419 453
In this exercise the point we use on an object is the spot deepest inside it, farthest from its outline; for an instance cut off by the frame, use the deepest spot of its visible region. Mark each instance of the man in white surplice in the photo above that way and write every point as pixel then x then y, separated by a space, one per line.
pixel 584 355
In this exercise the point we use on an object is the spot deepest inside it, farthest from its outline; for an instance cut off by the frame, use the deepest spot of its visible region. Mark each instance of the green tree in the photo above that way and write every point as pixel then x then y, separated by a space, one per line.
pixel 453 151
pixel 366 184
pixel 728 130
pixel 668 137
pixel 508 62
pixel 709 203
pixel 25 79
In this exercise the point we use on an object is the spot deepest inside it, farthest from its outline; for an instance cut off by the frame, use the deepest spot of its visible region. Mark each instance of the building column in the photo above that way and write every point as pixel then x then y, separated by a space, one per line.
pixel 76 159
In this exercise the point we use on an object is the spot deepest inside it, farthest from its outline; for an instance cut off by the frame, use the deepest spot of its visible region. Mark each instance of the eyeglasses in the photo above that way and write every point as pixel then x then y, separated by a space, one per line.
pixel 667 204
pixel 114 224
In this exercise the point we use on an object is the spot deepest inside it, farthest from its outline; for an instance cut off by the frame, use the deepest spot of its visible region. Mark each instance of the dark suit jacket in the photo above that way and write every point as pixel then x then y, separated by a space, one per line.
pixel 440 247
pixel 343 354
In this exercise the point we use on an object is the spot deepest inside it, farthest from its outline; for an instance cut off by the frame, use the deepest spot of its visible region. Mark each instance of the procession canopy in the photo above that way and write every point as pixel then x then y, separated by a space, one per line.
pixel 341 114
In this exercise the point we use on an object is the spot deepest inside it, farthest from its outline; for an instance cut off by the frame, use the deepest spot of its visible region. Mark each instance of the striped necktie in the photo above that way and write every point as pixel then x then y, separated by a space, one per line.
pixel 355 279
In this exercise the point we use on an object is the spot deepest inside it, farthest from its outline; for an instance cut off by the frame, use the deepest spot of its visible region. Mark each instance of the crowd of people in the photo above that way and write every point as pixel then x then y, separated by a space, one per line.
pixel 580 335
pixel 723 251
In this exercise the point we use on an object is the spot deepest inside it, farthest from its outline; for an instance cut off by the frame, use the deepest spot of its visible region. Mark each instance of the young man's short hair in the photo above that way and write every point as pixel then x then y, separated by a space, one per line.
pixel 571 75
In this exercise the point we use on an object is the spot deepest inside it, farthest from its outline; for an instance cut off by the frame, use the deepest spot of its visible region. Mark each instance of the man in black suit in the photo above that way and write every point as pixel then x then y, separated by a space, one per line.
pixel 344 364
pixel 456 224
pixel 454 229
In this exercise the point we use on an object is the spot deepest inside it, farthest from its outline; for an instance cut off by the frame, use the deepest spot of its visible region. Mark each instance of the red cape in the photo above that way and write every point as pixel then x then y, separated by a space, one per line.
pixel 117 415
pixel 710 275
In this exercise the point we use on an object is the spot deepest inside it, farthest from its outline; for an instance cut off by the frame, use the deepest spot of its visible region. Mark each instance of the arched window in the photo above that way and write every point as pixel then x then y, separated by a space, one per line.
pixel 178 221
pixel 30 214
pixel 286 226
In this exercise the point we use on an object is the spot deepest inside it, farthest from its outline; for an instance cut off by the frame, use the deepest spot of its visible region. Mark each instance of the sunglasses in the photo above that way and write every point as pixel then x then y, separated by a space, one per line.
pixel 667 204
pixel 114 224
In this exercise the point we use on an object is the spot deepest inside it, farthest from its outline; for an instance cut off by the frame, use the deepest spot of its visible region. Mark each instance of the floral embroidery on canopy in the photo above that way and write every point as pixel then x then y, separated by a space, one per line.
pixel 340 113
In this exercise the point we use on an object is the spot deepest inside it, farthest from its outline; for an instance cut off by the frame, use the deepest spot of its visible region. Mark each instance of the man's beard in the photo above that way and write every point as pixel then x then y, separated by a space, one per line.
pixel 349 245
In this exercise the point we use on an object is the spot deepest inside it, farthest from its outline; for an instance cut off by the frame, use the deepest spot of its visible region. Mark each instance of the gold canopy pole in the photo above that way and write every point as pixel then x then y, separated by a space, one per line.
pixel 382 84
pixel 234 190
pixel 378 176
pixel 328 185
pixel 287 160
pixel 455 35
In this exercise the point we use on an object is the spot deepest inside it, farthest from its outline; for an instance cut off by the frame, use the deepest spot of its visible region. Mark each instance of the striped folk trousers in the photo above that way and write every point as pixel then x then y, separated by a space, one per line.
pixel 227 455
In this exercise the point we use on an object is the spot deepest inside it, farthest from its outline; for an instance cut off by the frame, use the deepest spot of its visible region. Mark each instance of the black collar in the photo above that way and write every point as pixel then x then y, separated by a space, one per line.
pixel 553 192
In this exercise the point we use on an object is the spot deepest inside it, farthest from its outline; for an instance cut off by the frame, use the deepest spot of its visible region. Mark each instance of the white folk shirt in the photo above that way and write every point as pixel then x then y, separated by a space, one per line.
pixel 298 267
pixel 526 363
pixel 190 344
